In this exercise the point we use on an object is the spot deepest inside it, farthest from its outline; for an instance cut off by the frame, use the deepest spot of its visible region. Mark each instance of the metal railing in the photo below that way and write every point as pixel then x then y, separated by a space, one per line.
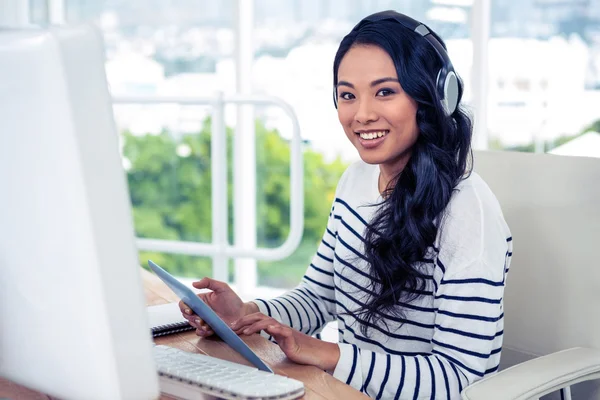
pixel 219 249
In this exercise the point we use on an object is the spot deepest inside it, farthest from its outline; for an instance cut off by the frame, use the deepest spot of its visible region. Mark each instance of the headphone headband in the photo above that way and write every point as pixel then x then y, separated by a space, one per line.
pixel 446 81
pixel 411 24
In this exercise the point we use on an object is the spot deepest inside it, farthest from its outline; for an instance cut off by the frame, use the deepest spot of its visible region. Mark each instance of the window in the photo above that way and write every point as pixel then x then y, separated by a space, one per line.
pixel 546 54
pixel 544 75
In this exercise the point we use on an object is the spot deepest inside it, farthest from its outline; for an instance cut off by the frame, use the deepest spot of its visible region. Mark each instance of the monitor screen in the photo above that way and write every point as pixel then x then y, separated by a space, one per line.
pixel 72 311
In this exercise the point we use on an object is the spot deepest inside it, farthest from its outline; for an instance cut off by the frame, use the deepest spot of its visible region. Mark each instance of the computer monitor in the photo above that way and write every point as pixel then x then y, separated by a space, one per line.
pixel 72 312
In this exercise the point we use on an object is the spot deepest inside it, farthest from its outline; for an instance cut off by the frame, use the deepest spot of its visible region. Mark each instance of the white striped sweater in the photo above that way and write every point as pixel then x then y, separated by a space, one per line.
pixel 450 337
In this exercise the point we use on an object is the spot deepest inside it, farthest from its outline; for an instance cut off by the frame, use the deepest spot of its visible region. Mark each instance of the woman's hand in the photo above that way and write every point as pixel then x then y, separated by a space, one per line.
pixel 297 346
pixel 223 300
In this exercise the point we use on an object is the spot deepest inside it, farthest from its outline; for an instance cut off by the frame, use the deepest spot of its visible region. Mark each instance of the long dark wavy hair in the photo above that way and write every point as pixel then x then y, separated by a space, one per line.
pixel 401 236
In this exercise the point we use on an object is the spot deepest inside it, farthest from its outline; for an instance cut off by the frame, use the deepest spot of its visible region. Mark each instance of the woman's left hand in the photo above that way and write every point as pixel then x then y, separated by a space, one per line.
pixel 297 346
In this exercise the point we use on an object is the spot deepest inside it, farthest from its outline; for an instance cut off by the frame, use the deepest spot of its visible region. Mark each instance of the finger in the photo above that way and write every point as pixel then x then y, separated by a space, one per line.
pixel 279 331
pixel 201 333
pixel 204 331
pixel 193 319
pixel 248 320
pixel 284 336
pixel 196 322
pixel 257 326
pixel 185 309
pixel 245 322
pixel 212 284
pixel 190 318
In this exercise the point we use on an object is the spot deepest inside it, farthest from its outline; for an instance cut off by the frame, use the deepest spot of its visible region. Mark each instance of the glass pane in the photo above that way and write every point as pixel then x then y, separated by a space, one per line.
pixel 544 76
pixel 273 199
pixel 38 12
pixel 168 171
pixel 157 48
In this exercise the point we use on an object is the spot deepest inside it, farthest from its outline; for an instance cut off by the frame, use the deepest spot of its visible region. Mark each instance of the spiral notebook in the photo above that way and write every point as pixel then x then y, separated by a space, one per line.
pixel 166 319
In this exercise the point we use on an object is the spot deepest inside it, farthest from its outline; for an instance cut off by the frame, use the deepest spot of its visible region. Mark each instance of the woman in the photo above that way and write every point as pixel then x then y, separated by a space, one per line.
pixel 413 260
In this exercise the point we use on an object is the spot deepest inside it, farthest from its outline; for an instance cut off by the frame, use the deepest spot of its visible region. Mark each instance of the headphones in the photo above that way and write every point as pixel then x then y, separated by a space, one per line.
pixel 446 81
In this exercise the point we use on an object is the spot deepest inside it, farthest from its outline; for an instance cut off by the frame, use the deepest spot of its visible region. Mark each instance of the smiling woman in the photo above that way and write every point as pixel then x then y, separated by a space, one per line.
pixel 413 260
pixel 377 115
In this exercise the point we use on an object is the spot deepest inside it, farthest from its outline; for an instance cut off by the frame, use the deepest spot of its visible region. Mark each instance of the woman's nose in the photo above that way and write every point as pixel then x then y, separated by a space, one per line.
pixel 365 112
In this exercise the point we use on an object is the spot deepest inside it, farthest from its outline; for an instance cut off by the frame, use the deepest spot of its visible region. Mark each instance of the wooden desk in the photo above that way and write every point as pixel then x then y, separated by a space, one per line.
pixel 318 384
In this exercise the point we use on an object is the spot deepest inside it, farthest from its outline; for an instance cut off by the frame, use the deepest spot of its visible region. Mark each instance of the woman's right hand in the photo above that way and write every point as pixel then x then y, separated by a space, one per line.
pixel 222 299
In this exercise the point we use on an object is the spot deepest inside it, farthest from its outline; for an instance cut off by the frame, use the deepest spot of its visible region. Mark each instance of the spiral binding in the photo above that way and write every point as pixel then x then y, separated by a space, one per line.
pixel 169 329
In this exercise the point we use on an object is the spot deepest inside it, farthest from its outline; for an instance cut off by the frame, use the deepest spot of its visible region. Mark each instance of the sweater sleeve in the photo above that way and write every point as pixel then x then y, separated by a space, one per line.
pixel 467 338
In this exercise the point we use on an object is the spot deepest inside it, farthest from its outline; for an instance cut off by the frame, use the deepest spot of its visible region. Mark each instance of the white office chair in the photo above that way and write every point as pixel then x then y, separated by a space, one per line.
pixel 552 297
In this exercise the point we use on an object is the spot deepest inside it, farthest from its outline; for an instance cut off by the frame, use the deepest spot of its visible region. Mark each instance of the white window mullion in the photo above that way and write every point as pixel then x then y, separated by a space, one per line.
pixel 57 12
pixel 244 151
pixel 480 33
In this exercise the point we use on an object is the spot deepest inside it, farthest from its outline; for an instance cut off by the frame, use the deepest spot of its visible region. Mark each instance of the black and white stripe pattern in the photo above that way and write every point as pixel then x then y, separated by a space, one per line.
pixel 449 337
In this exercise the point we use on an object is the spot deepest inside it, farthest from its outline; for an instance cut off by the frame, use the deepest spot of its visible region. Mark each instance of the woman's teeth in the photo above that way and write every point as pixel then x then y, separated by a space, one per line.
pixel 372 135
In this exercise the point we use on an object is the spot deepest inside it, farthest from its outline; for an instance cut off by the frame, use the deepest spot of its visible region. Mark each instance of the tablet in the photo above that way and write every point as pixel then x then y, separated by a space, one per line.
pixel 209 316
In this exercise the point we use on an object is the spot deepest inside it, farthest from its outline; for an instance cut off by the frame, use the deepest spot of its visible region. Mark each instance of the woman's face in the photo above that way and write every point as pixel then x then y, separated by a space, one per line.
pixel 378 117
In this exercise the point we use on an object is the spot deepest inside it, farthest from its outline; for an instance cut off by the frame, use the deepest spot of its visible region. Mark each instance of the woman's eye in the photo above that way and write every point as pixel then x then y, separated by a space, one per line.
pixel 385 92
pixel 346 96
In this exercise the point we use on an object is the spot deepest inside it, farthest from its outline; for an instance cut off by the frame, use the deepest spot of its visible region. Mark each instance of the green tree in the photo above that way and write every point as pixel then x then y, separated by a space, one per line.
pixel 273 204
pixel 593 127
pixel 171 197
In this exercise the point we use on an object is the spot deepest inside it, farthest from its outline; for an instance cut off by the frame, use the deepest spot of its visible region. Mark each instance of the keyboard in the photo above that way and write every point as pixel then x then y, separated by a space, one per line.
pixel 186 375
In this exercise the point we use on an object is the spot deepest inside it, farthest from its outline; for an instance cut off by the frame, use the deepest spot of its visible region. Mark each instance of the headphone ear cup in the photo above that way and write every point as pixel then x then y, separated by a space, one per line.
pixel 447 87
pixel 451 92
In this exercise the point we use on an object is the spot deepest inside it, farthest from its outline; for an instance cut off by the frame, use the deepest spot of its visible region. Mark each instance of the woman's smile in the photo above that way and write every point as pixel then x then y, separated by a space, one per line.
pixel 372 138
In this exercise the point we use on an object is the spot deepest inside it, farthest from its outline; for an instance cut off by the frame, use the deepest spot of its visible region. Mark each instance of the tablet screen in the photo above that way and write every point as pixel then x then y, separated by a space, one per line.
pixel 209 316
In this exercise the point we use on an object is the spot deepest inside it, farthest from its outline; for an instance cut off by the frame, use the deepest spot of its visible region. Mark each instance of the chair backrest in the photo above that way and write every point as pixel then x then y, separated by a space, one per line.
pixel 552 206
